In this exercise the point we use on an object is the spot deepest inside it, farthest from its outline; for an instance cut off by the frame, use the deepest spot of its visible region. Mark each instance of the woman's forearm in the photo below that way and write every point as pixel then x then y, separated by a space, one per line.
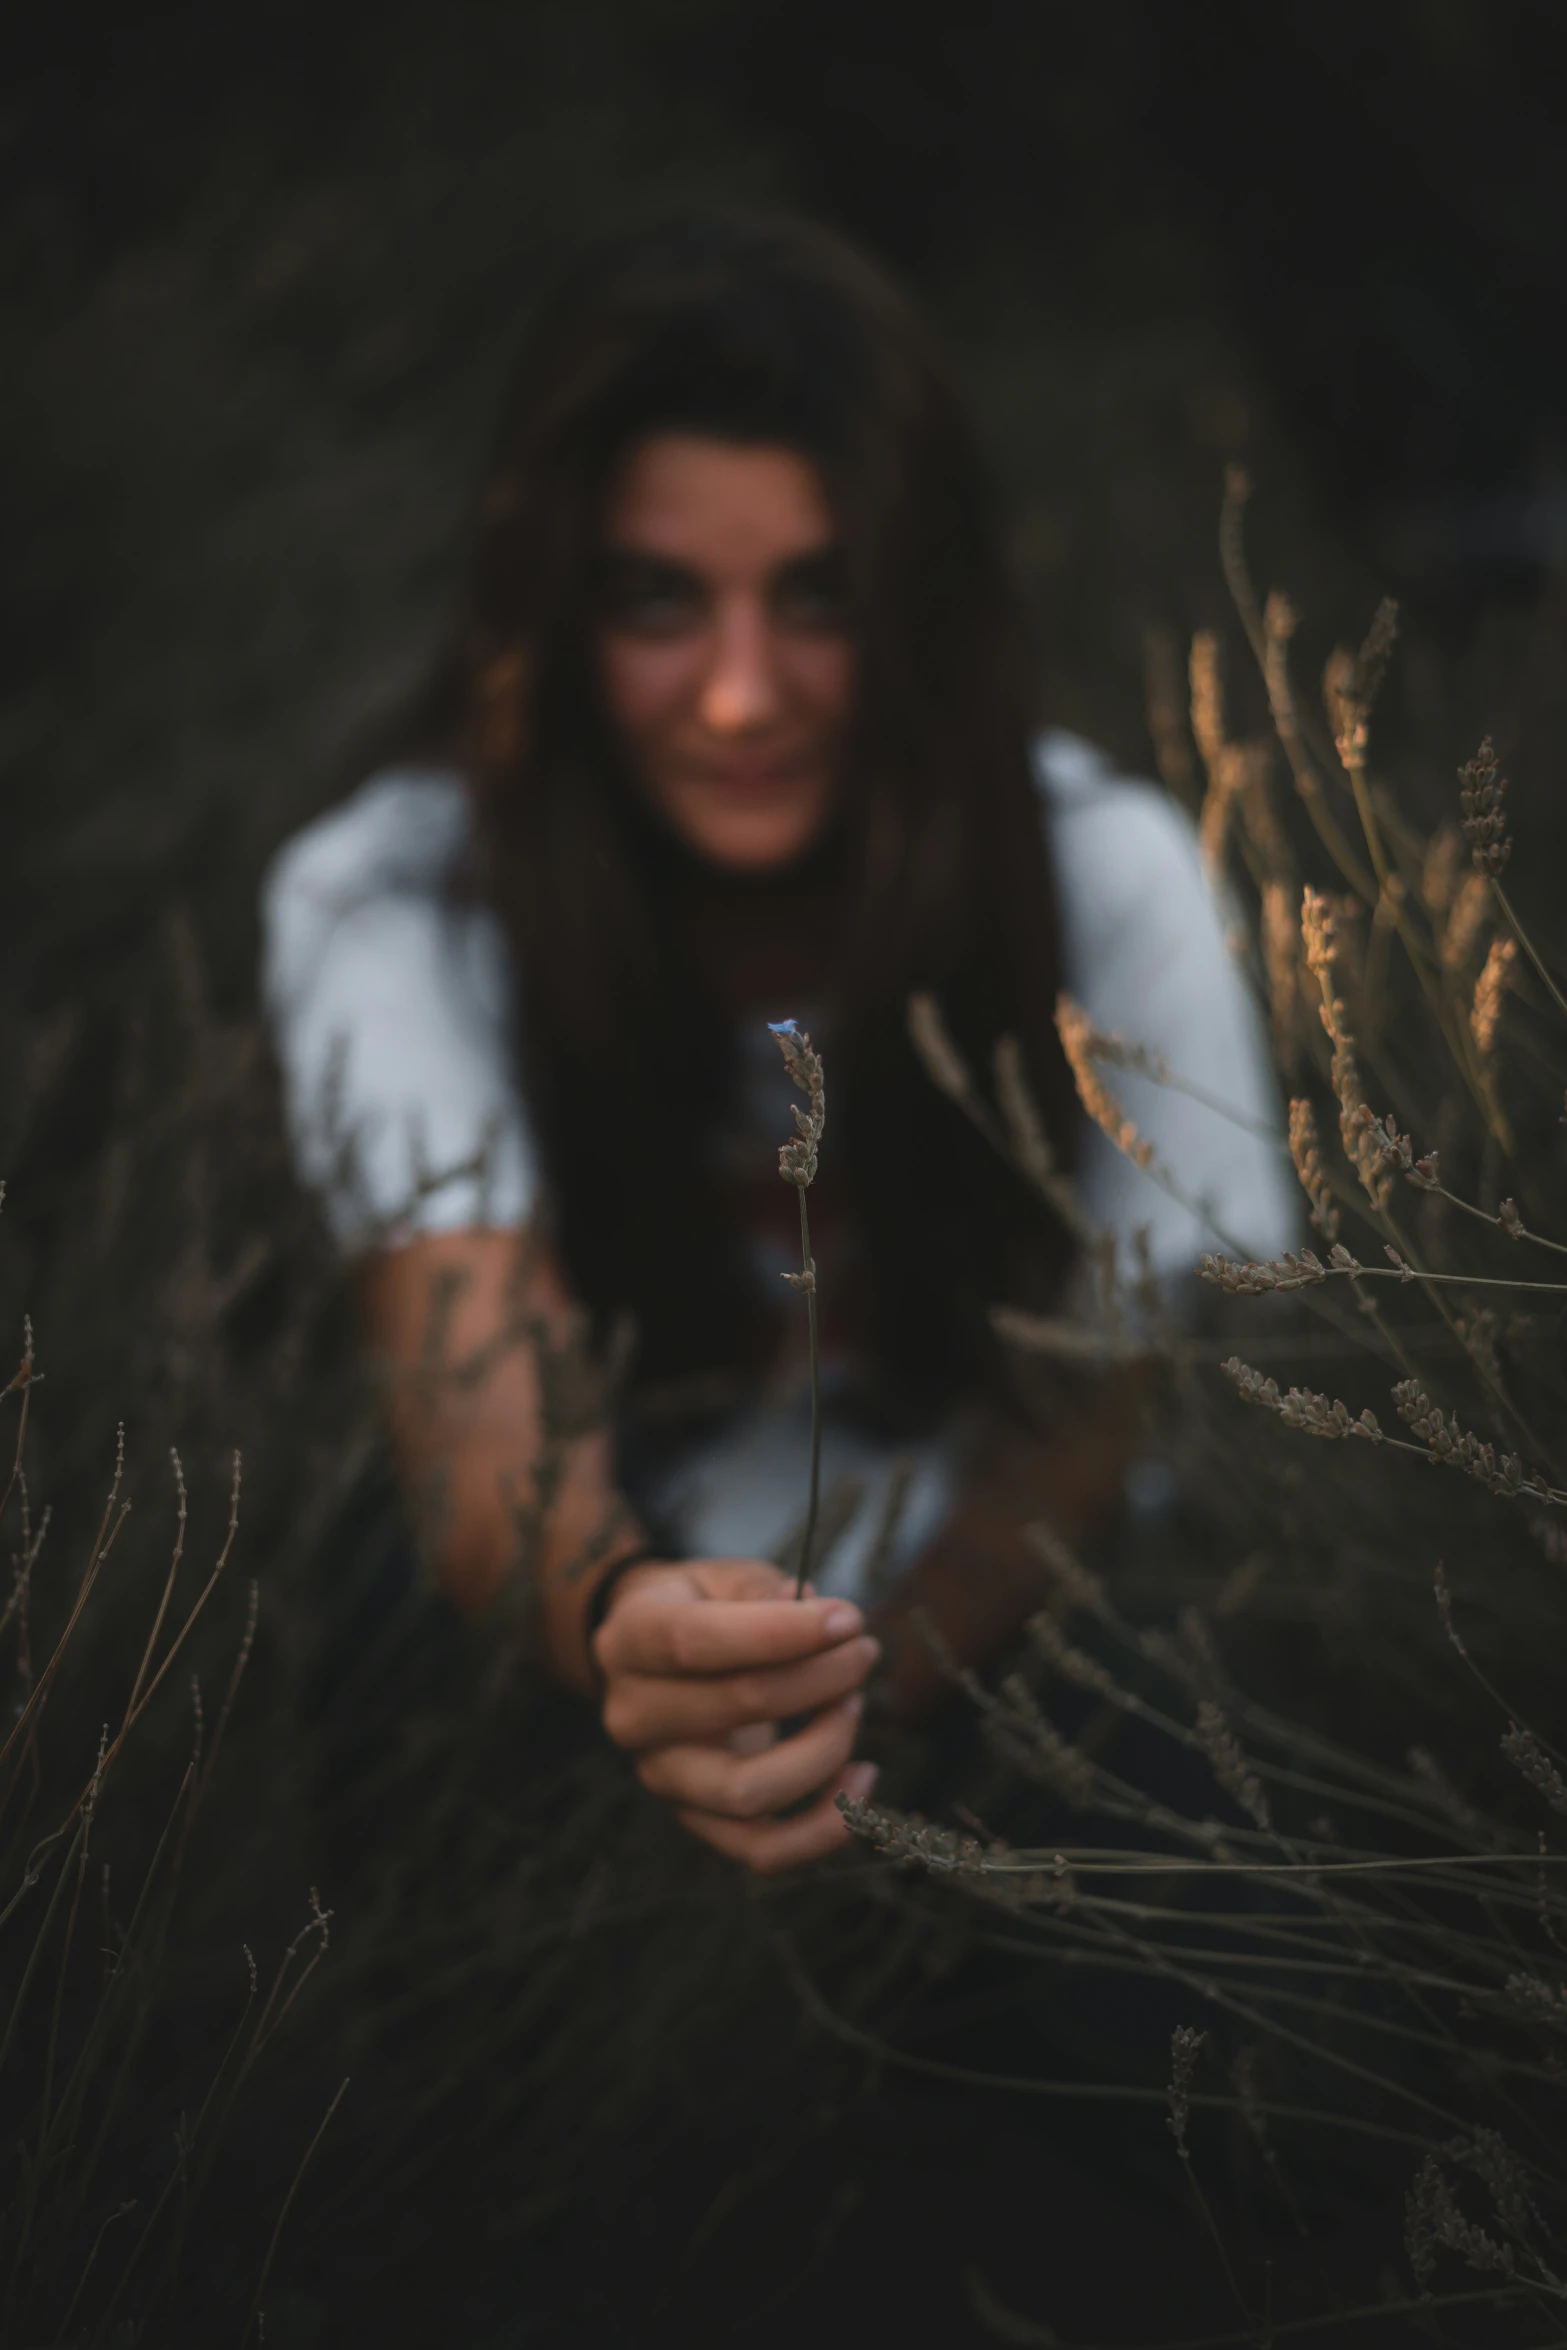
pixel 981 1577
pixel 476 1336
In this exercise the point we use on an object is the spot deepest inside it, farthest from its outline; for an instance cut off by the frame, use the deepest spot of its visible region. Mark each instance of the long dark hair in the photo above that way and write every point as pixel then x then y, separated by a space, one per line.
pixel 765 331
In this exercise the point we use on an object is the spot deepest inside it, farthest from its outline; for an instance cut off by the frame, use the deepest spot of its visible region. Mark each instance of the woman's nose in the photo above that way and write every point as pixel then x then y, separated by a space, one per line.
pixel 740 693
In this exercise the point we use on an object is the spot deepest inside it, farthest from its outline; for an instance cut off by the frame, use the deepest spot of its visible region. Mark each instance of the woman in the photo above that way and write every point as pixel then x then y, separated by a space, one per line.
pixel 737 728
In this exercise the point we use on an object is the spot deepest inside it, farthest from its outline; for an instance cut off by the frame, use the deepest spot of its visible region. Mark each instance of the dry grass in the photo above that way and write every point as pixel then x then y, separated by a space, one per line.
pixel 1360 1891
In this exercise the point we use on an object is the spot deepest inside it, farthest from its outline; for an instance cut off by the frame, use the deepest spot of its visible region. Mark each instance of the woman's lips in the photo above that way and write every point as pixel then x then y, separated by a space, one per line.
pixel 758 780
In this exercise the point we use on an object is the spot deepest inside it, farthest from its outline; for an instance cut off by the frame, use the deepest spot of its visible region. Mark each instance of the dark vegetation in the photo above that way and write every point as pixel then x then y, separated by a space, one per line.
pixel 262 279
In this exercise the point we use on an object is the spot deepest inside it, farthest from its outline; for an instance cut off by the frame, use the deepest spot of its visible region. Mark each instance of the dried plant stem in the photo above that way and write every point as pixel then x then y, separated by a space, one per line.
pixel 1089 2092
pixel 1232 557
pixel 1018 1137
pixel 1460 1646
pixel 1488 1379
pixel 134 1713
pixel 266 2025
pixel 46 2098
pixel 797 1162
pixel 19 1383
pixel 1528 945
pixel 1117 1053
pixel 813 1505
pixel 1455 1033
pixel 1087 1861
pixel 1255 2332
pixel 1497 1223
pixel 123 2212
pixel 1302 1270
pixel 145 2238
pixel 194 2193
pixel 1391 1338
pixel 293 2189
pixel 181 1512
pixel 1169 1965
pixel 108 1529
pixel 68 2113
pixel 1268 636
pixel 246 1642
pixel 37 1951
pixel 878 1564
pixel 1165 714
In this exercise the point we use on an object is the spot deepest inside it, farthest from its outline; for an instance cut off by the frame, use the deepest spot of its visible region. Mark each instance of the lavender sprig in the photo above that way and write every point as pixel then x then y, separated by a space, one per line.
pixel 797 1165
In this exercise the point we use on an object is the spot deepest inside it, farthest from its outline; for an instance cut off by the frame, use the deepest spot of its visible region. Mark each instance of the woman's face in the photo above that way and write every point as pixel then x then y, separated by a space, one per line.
pixel 723 644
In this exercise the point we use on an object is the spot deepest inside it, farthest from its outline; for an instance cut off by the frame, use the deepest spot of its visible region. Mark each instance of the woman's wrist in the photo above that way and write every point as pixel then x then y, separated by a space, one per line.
pixel 604 1593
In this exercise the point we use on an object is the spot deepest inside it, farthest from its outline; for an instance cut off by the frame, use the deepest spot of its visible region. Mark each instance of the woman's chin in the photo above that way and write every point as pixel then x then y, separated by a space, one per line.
pixel 752 840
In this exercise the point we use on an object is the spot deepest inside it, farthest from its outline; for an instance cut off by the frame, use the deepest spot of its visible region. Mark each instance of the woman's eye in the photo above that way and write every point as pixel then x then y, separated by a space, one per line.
pixel 648 599
pixel 813 596
pixel 657 612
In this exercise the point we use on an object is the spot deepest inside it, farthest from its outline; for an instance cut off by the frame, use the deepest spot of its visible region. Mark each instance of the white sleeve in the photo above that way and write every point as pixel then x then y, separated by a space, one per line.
pixel 1147 956
pixel 390 1005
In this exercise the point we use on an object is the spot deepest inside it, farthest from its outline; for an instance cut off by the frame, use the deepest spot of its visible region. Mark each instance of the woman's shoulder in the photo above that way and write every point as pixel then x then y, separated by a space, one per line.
pixel 397 840
pixel 390 1000
pixel 1147 953
pixel 1086 797
pixel 405 828
pixel 1120 846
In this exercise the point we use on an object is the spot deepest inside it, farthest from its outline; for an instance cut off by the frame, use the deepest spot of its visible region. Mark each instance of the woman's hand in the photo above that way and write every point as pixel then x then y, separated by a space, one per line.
pixel 702 1659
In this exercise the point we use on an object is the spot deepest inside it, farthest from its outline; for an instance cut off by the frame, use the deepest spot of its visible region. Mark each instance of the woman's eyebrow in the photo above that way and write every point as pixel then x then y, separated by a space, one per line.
pixel 826 562
pixel 661 569
pixel 641 567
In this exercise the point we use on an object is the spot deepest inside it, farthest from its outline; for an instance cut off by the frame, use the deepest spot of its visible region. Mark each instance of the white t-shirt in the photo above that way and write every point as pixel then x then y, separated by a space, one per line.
pixel 391 1004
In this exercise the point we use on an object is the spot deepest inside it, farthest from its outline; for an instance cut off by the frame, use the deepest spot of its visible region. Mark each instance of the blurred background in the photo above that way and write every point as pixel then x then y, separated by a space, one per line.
pixel 264 268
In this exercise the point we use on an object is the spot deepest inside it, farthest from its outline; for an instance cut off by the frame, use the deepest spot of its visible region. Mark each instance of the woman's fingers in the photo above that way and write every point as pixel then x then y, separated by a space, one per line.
pixel 700 1661
pixel 768 1846
pixel 651 1634
pixel 749 1786
pixel 640 1710
pixel 754 1737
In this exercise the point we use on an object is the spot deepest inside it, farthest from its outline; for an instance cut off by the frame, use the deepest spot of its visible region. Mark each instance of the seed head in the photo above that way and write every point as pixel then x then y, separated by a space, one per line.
pixel 1186 2045
pixel 1306 1151
pixel 797 1159
pixel 1083 1045
pixel 1351 681
pixel 1471 910
pixel 1444 1439
pixel 1484 819
pixel 1524 1751
pixel 1219 1743
pixel 1302 1407
pixel 1485 1016
pixel 1281 962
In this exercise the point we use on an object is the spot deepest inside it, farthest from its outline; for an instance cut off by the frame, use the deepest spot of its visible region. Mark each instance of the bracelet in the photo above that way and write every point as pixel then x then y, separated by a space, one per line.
pixel 604 1591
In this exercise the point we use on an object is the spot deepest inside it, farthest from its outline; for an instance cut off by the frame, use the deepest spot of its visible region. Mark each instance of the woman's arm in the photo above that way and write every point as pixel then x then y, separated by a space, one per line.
pixel 697 1660
pixel 981 1578
pixel 466 1325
